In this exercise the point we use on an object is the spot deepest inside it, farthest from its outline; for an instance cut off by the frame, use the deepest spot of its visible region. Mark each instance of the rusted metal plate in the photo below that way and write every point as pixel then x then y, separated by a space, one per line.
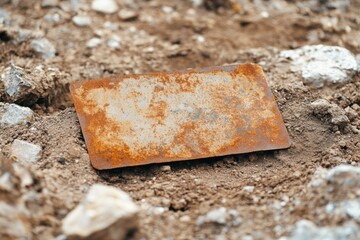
pixel 164 117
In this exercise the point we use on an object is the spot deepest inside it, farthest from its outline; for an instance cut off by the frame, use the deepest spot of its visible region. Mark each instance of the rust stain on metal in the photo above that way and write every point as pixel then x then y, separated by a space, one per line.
pixel 164 117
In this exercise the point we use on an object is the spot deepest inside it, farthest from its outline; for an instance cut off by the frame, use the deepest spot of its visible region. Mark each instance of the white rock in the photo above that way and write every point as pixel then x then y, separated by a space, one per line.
pixel 12 114
pixel 167 9
pixel 43 47
pixel 104 6
pixel 199 38
pixel 185 218
pixel 105 213
pixel 321 64
pixel 93 42
pixel 148 49
pixel 249 188
pixel 264 14
pixel 127 14
pixel 82 21
pixel 25 152
pixel 218 216
pixel 305 230
pixel 114 42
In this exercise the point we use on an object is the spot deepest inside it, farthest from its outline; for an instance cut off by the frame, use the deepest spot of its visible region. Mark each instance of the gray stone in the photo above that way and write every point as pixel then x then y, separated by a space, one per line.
pixel 25 152
pixel 105 213
pixel 17 83
pixel 82 21
pixel 305 230
pixel 93 42
pixel 321 64
pixel 12 114
pixel 104 6
pixel 43 47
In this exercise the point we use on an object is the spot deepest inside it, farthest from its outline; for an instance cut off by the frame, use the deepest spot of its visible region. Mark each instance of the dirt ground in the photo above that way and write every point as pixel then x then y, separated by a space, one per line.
pixel 174 35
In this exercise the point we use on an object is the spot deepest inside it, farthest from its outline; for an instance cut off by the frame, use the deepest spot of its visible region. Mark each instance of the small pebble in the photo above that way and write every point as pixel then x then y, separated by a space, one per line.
pixel 104 6
pixel 167 9
pixel 249 188
pixel 93 42
pixel 165 168
pixel 127 14
pixel 185 218
pixel 82 21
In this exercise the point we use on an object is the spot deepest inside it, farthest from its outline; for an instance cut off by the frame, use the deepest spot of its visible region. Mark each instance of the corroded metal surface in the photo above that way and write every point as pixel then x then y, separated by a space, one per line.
pixel 142 119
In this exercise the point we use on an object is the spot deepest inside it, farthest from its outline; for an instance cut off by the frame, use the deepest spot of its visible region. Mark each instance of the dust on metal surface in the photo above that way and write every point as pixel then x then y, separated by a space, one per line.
pixel 164 117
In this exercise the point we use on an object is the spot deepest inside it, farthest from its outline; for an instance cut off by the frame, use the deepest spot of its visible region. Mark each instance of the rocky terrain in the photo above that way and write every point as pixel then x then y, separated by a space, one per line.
pixel 310 53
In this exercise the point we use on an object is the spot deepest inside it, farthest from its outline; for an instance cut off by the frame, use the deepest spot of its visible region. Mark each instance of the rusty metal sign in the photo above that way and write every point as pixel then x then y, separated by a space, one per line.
pixel 164 117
